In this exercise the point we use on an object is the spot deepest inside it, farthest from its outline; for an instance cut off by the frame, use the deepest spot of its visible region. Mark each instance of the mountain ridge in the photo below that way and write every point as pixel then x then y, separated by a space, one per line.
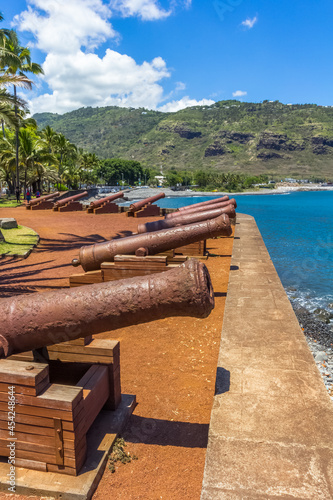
pixel 268 137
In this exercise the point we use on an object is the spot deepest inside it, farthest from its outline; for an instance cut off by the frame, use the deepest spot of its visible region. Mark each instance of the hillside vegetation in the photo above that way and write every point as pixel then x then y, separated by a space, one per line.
pixel 229 136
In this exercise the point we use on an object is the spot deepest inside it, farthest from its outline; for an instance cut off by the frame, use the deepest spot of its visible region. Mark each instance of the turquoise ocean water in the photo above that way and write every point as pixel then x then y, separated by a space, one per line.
pixel 298 232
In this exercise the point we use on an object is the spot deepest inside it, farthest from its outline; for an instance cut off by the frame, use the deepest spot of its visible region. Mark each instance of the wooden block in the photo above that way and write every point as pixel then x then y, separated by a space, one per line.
pixel 140 265
pixel 148 211
pixel 167 253
pixel 43 205
pixel 86 278
pixel 34 451
pixel 25 389
pixel 59 397
pixel 38 420
pixel 107 208
pixel 177 259
pixel 38 411
pixel 34 455
pixel 117 274
pixel 19 373
pixel 114 389
pixel 72 206
pixel 84 350
pixel 198 248
pixel 80 341
pixel 36 438
pixel 96 391
pixel 78 358
pixel 39 431
pixel 156 259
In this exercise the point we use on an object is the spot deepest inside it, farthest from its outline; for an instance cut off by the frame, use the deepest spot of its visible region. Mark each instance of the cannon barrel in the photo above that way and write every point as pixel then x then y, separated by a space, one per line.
pixel 223 204
pixel 62 202
pixel 91 257
pixel 97 203
pixel 46 197
pixel 40 319
pixel 203 203
pixel 139 204
pixel 185 218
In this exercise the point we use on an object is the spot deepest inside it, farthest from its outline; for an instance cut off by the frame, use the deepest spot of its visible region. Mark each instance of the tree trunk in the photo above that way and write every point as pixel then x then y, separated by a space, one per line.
pixel 25 183
pixel 17 144
pixel 3 129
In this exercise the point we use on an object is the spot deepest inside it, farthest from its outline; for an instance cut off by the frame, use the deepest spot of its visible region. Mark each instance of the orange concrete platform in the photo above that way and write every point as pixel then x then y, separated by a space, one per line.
pixel 271 428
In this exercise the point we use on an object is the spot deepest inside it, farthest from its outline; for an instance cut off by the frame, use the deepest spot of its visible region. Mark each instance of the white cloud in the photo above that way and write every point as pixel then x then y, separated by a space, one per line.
pixel 249 23
pixel 68 32
pixel 239 93
pixel 77 78
pixel 66 25
pixel 147 10
pixel 185 102
pixel 180 86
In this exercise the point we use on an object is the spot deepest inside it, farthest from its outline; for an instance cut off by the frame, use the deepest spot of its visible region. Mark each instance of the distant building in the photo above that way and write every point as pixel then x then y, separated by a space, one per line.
pixel 160 179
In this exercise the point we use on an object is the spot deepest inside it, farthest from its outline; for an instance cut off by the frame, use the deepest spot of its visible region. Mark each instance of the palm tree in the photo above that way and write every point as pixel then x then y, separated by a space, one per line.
pixel 19 68
pixel 66 151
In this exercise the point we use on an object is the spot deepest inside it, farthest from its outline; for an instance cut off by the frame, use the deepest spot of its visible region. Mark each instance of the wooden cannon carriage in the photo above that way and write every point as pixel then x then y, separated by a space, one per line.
pixel 43 203
pixel 70 204
pixel 147 253
pixel 105 205
pixel 54 402
pixel 145 208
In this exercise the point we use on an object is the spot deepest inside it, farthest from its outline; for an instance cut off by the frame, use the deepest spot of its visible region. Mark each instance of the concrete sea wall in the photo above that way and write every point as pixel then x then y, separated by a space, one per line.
pixel 271 428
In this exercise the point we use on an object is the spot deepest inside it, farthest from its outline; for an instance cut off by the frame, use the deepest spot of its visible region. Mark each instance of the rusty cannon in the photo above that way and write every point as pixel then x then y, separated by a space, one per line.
pixel 91 257
pixel 70 204
pixel 223 204
pixel 105 205
pixel 184 218
pixel 33 321
pixel 145 208
pixel 204 203
pixel 43 202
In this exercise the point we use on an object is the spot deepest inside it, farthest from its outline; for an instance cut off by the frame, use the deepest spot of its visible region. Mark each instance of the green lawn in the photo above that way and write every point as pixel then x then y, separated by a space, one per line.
pixel 18 240
pixel 5 203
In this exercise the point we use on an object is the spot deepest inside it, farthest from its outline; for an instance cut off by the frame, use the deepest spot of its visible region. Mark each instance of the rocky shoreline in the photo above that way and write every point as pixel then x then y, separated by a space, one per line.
pixel 141 193
pixel 319 336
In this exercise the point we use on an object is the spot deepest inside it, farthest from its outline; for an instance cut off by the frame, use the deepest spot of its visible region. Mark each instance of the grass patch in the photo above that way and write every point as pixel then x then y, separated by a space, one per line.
pixel 119 455
pixel 8 203
pixel 18 240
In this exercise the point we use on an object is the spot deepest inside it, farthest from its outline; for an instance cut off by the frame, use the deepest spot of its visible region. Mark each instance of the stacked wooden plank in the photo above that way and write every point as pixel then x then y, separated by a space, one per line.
pixel 71 206
pixel 51 420
pixel 127 266
pixel 147 211
pixel 48 431
pixel 106 208
pixel 197 249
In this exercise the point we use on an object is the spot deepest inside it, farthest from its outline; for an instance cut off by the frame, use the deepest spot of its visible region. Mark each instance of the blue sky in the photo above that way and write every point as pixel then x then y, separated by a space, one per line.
pixel 171 54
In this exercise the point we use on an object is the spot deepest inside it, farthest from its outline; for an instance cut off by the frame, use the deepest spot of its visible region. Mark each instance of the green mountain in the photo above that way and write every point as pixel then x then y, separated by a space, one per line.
pixel 268 137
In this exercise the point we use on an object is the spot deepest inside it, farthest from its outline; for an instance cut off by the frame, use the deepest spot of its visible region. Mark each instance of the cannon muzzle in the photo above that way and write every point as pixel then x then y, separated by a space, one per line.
pixel 41 319
pixel 204 203
pixel 184 218
pixel 147 201
pixel 76 197
pixel 195 210
pixel 44 198
pixel 107 199
pixel 91 257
